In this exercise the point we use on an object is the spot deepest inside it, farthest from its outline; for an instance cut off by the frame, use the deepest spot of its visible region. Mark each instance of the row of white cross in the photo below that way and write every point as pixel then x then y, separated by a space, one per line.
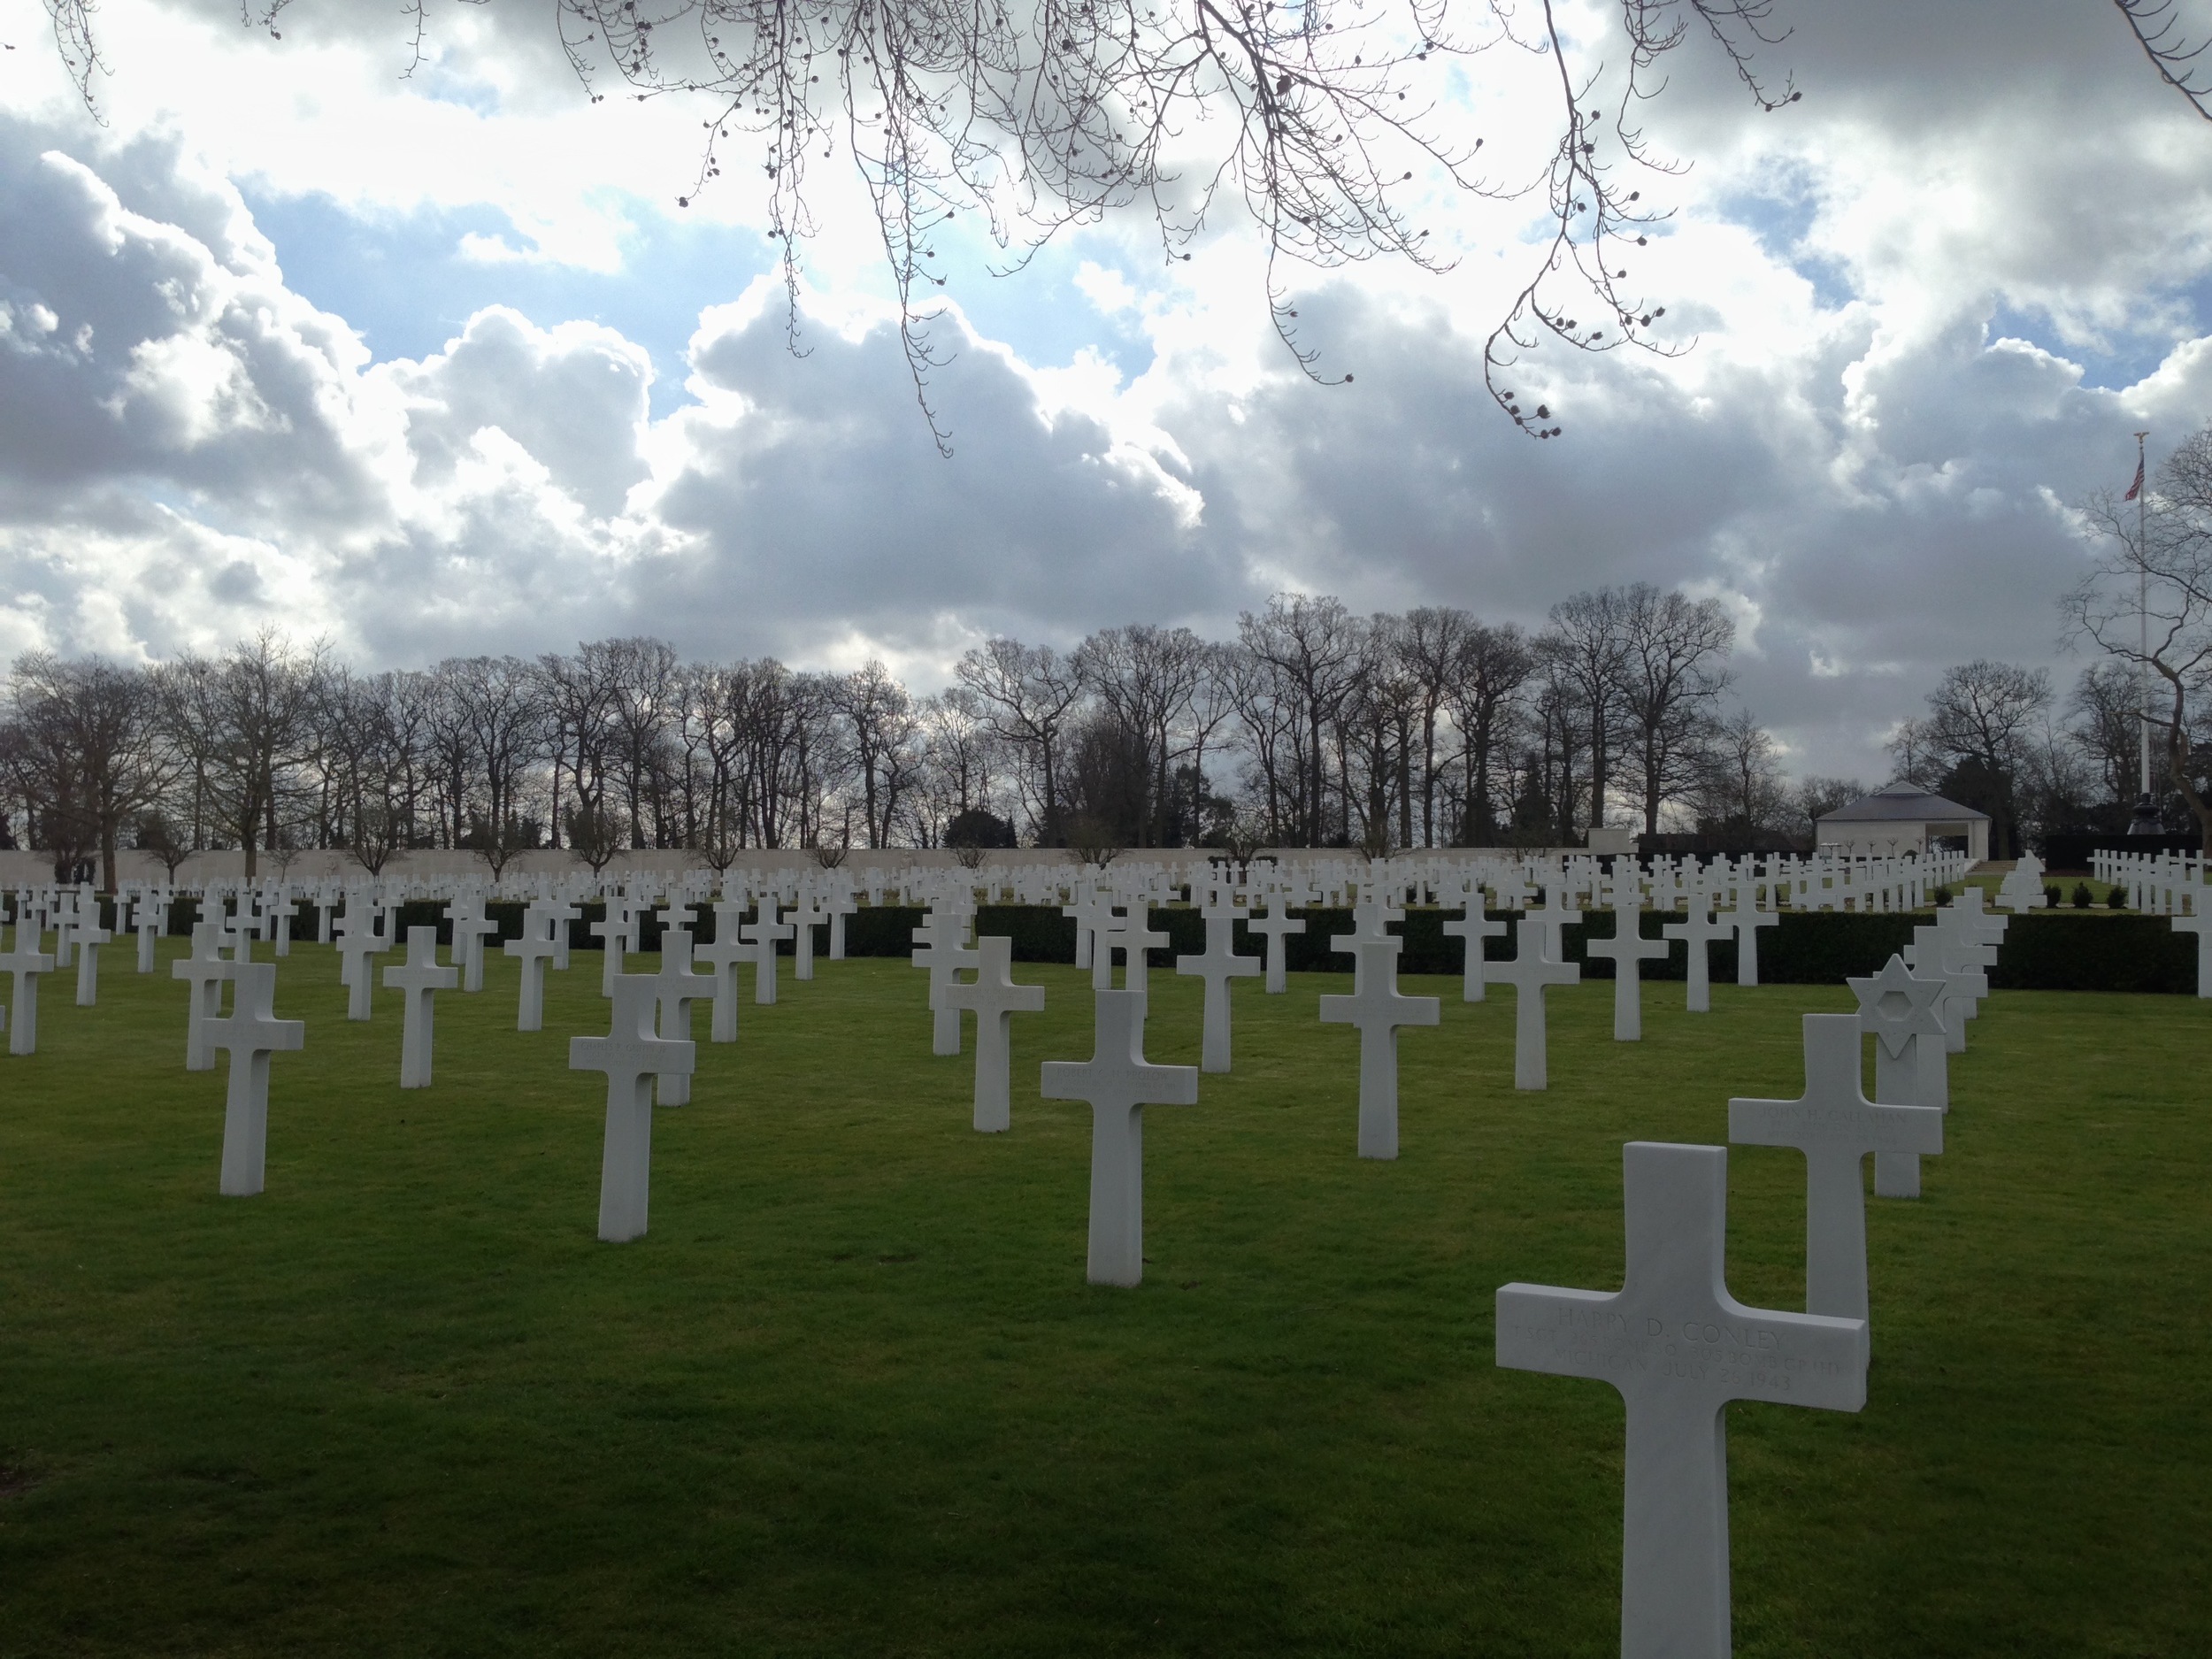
pixel 1672 1340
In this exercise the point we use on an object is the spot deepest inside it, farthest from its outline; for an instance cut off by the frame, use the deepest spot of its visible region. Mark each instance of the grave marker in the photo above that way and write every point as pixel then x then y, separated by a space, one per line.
pixel 1910 1061
pixel 1377 1008
pixel 1628 950
pixel 421 978
pixel 1530 972
pixel 996 999
pixel 1119 1083
pixel 1217 965
pixel 250 1034
pixel 632 1057
pixel 205 969
pixel 1835 1126
pixel 1679 1348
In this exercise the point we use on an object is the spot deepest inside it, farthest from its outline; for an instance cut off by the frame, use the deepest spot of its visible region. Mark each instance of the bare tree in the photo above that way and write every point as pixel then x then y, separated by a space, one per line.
pixel 1739 787
pixel 1492 667
pixel 2105 714
pixel 1028 694
pixel 98 724
pixel 239 719
pixel 1983 716
pixel 1588 639
pixel 2146 601
pixel 1313 645
pixel 1671 676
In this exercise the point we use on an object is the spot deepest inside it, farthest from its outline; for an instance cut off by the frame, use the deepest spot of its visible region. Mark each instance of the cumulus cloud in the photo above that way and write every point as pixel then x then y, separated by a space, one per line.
pixel 1905 293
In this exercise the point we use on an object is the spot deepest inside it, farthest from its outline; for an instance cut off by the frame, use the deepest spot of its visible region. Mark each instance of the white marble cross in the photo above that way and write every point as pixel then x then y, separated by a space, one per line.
pixel 612 931
pixel 1377 1008
pixel 808 915
pixel 1134 936
pixel 938 949
pixel 1628 950
pixel 1216 966
pixel 470 928
pixel 1119 1083
pixel 996 999
pixel 421 978
pixel 762 936
pixel 723 956
pixel 1474 925
pixel 277 912
pixel 1680 1348
pixel 206 970
pixel 1697 931
pixel 1835 1126
pixel 251 1033
pixel 632 1057
pixel 1529 972
pixel 536 947
pixel 26 965
pixel 679 988
pixel 1372 914
pixel 1748 921
pixel 2198 923
pixel 1940 952
pixel 90 937
pixel 357 941
pixel 1911 1065
pixel 147 915
pixel 1553 918
pixel 1274 925
pixel 840 906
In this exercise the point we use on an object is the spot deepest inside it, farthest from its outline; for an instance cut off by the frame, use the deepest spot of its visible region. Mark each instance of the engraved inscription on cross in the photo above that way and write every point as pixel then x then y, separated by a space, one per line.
pixel 1680 1348
pixel 1835 1126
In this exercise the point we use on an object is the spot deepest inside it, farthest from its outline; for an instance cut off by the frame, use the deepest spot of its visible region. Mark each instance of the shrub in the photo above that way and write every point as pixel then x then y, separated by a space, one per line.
pixel 2083 897
pixel 2117 899
pixel 2052 896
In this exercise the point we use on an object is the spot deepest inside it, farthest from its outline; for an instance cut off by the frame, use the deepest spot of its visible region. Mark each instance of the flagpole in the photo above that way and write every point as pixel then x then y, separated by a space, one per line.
pixel 2148 819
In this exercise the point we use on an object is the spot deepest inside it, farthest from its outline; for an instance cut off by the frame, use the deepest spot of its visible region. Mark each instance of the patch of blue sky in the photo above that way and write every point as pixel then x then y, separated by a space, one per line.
pixel 1781 218
pixel 1040 310
pixel 403 281
pixel 2119 360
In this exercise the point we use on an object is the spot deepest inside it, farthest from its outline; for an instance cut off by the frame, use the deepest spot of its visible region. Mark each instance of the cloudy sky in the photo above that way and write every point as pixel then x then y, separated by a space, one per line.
pixel 433 364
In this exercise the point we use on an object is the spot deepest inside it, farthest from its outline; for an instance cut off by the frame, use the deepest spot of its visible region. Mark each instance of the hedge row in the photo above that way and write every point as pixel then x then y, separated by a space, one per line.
pixel 2045 950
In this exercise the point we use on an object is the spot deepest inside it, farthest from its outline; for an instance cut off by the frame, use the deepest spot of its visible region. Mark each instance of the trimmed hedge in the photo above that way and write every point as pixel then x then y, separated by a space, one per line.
pixel 2044 950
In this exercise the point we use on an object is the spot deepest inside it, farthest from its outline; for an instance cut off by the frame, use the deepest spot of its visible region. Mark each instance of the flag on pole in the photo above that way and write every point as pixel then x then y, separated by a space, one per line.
pixel 2136 488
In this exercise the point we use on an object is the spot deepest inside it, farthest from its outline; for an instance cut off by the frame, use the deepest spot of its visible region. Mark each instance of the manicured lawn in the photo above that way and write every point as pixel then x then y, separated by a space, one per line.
pixel 852 1396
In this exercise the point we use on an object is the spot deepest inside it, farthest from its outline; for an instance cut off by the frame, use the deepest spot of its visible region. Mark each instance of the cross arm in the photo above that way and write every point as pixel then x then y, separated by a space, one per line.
pixel 1567 1332
pixel 1872 1128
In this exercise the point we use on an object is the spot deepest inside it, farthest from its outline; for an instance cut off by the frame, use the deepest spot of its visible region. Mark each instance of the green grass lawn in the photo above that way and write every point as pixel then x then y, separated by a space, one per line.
pixel 852 1396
